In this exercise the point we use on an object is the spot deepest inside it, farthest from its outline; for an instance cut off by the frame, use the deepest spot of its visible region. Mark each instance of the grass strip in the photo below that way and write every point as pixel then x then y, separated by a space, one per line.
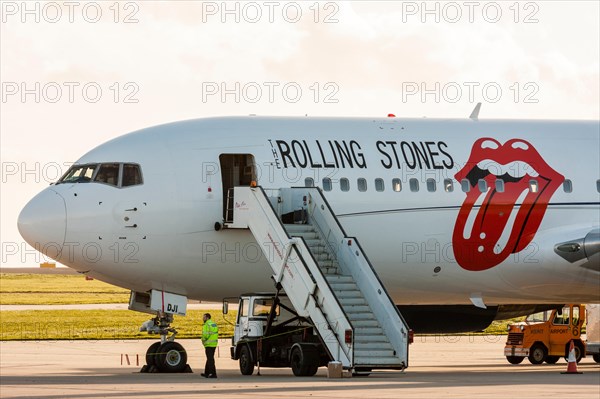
pixel 38 325
pixel 44 289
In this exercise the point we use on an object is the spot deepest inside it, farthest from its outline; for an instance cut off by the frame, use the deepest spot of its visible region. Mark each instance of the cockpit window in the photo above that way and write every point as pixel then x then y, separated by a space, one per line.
pixel 108 174
pixel 79 174
pixel 114 174
pixel 132 175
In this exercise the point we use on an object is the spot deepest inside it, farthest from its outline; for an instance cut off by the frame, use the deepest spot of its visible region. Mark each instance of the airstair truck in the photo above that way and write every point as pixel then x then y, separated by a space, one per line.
pixel 344 310
pixel 593 331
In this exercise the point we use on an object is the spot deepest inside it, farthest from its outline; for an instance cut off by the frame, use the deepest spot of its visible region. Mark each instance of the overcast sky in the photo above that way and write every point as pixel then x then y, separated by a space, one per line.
pixel 76 74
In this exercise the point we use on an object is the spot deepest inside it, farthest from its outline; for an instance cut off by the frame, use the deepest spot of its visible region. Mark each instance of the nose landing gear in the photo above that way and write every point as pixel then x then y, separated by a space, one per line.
pixel 165 356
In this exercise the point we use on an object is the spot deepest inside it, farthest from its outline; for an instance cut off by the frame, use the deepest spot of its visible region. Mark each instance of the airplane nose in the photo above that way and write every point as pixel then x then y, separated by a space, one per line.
pixel 43 223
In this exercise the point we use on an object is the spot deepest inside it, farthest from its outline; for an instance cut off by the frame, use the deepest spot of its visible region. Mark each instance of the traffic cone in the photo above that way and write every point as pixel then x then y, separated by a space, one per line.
pixel 572 361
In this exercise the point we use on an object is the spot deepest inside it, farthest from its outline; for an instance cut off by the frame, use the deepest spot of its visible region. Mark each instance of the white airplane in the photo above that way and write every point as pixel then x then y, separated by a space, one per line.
pixel 465 221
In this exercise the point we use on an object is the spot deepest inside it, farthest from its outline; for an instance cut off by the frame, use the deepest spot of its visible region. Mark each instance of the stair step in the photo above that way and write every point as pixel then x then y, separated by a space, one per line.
pixel 321 256
pixel 329 263
pixel 366 331
pixel 363 323
pixel 361 317
pixel 372 354
pixel 311 242
pixel 370 338
pixel 391 361
pixel 350 301
pixel 329 271
pixel 349 294
pixel 385 346
pixel 318 249
pixel 306 234
pixel 295 228
pixel 343 286
pixel 354 309
pixel 340 278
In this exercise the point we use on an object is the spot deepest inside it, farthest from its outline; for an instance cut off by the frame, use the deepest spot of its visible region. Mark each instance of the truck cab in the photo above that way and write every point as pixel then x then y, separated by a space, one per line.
pixel 268 332
pixel 546 336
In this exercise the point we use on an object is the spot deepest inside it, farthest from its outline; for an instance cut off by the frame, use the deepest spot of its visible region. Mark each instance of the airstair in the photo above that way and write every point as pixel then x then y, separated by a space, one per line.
pixel 325 274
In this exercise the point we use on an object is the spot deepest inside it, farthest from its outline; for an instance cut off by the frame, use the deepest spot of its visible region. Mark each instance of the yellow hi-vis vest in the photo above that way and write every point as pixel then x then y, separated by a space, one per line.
pixel 210 334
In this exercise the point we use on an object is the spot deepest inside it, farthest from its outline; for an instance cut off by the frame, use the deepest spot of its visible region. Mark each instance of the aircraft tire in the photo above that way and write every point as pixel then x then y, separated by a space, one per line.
pixel 151 354
pixel 171 358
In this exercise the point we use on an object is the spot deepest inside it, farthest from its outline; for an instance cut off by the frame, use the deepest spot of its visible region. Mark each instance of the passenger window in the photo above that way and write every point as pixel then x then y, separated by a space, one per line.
pixel 326 184
pixel 482 184
pixel 431 185
pixel 568 186
pixel 396 185
pixel 500 186
pixel 132 175
pixel 108 174
pixel 309 182
pixel 344 184
pixel 598 185
pixel 379 185
pixel 362 184
pixel 465 185
pixel 533 186
pixel 414 185
pixel 448 185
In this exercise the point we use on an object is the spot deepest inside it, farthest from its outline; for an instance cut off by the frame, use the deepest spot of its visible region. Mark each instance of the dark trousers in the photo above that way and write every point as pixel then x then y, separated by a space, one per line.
pixel 209 367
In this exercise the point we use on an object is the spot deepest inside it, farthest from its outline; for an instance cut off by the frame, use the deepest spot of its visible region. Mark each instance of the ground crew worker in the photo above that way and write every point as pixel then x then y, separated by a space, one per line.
pixel 210 337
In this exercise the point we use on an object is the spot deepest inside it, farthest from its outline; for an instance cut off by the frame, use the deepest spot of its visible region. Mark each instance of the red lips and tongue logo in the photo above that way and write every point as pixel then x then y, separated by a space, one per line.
pixel 510 186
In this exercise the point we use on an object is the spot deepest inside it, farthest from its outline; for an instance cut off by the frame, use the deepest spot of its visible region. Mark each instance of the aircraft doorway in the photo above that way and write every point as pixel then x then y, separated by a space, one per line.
pixel 236 170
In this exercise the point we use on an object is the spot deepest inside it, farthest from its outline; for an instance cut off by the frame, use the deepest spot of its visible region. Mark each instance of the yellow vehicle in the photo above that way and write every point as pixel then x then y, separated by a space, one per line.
pixel 545 336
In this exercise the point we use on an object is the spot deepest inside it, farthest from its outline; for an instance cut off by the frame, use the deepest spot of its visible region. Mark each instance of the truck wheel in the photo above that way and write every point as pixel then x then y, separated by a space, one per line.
pixel 304 361
pixel 596 357
pixel 171 358
pixel 552 359
pixel 297 362
pixel 514 359
pixel 312 370
pixel 537 354
pixel 246 363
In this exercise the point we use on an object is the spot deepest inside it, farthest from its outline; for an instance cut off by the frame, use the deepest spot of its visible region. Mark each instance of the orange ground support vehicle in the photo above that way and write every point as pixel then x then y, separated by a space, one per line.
pixel 545 336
